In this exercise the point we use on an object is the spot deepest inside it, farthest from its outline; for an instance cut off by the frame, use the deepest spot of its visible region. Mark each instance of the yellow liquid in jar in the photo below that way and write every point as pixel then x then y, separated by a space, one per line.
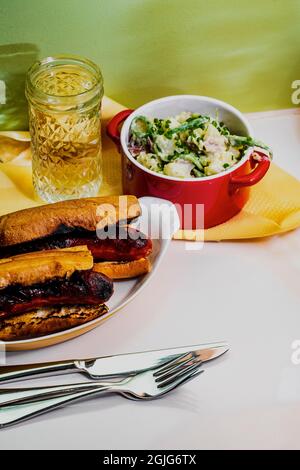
pixel 66 140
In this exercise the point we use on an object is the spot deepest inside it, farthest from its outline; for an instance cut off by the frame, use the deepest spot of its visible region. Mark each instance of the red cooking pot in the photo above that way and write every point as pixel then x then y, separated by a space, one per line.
pixel 218 197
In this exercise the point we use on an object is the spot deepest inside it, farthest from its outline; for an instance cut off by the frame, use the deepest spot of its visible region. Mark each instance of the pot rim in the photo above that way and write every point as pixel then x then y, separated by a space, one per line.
pixel 218 103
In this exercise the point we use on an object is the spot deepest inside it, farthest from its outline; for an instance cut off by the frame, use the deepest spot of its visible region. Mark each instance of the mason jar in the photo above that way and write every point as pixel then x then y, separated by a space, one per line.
pixel 64 96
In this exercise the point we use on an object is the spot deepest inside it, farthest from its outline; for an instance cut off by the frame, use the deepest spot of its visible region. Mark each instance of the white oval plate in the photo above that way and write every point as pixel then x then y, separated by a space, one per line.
pixel 160 221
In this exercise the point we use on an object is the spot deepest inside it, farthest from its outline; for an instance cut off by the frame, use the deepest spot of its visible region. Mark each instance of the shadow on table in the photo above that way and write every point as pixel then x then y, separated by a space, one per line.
pixel 177 400
pixel 15 59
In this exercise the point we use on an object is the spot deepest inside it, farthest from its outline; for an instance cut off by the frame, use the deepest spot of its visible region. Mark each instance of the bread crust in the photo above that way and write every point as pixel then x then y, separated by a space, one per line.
pixel 89 214
pixel 47 321
pixel 116 270
pixel 41 266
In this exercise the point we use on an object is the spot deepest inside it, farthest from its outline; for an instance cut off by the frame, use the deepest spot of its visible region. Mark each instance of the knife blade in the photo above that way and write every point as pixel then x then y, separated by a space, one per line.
pixel 113 366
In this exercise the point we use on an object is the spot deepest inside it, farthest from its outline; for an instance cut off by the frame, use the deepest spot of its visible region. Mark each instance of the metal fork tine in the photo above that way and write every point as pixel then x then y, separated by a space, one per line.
pixel 181 381
pixel 176 370
pixel 184 373
pixel 180 362
pixel 174 362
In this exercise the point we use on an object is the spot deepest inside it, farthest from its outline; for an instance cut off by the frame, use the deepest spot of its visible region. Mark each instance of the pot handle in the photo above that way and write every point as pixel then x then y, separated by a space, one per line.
pixel 112 128
pixel 260 161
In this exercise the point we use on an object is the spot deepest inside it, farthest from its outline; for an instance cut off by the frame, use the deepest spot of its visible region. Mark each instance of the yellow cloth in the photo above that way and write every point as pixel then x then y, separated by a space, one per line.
pixel 273 207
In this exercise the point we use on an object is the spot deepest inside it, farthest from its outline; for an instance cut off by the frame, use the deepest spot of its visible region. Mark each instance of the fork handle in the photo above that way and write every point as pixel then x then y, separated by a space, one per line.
pixel 16 413
pixel 16 396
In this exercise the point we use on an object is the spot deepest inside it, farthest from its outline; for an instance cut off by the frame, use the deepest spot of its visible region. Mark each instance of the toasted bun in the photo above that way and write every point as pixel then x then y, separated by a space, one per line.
pixel 89 214
pixel 120 270
pixel 41 266
pixel 48 320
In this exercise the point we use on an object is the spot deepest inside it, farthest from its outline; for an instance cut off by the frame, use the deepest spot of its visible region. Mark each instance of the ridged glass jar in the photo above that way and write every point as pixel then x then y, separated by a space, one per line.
pixel 64 95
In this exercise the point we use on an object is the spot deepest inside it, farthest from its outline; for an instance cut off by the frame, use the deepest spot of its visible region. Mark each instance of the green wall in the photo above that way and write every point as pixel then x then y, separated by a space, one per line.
pixel 246 52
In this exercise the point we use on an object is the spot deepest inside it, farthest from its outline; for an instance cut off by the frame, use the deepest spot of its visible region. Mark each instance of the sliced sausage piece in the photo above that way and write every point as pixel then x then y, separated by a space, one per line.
pixel 82 288
pixel 128 245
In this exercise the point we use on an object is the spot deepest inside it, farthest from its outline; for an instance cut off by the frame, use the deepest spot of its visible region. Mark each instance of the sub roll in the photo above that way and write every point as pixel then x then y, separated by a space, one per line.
pixel 50 291
pixel 100 224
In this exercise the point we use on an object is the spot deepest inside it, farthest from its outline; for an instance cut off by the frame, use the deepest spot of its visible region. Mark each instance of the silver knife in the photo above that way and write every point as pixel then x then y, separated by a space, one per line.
pixel 113 366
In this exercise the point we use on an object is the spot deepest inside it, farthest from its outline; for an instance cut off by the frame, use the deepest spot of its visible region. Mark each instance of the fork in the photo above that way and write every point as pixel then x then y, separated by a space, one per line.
pixel 19 395
pixel 22 404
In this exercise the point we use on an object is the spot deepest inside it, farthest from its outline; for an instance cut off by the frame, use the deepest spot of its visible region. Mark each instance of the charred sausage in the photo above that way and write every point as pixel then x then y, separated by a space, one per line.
pixel 82 288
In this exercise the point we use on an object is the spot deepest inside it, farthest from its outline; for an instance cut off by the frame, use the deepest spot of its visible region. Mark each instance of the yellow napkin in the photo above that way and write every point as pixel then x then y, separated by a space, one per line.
pixel 273 207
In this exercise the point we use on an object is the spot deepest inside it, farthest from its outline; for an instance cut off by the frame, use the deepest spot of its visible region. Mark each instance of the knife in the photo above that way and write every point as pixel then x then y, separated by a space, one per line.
pixel 113 366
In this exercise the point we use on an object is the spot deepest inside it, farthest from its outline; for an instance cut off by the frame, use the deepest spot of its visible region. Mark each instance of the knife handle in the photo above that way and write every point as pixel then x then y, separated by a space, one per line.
pixel 21 372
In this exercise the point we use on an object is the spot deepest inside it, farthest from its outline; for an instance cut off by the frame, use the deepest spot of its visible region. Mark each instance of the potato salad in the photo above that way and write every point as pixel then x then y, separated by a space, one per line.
pixel 188 145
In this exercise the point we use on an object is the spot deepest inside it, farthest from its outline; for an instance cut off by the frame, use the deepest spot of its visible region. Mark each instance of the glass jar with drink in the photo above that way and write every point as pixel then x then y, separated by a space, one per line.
pixel 64 95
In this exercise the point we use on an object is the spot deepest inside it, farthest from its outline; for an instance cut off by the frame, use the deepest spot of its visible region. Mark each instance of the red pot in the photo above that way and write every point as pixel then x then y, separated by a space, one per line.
pixel 218 197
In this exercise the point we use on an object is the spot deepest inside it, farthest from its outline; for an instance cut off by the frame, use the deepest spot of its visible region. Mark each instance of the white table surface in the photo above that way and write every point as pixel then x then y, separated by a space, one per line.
pixel 246 292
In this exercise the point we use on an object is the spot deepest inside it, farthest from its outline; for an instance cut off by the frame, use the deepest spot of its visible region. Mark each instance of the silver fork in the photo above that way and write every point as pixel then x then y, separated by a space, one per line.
pixel 20 404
